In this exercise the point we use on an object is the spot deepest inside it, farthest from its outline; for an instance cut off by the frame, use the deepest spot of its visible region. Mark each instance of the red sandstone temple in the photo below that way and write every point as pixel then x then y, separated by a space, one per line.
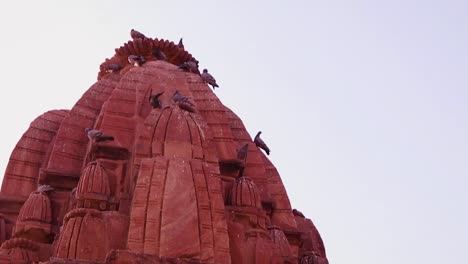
pixel 169 188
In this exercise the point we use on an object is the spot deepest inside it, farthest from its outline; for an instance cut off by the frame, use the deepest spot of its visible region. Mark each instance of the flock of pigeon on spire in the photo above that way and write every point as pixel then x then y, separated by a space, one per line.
pixel 183 102
pixel 138 60
pixel 95 135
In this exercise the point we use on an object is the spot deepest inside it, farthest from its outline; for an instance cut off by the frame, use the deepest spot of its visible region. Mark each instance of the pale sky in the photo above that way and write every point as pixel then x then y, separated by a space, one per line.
pixel 363 103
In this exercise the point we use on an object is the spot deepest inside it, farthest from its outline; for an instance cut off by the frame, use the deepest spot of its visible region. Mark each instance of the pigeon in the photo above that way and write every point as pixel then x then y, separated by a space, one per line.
pixel 159 55
pixel 113 67
pixel 242 152
pixel 136 60
pixel 190 66
pixel 136 35
pixel 154 100
pixel 44 188
pixel 97 136
pixel 209 79
pixel 183 102
pixel 196 62
pixel 180 44
pixel 178 97
pixel 259 142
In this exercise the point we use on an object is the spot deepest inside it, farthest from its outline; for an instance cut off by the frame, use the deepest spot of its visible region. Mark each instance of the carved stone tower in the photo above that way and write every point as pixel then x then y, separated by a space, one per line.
pixel 170 187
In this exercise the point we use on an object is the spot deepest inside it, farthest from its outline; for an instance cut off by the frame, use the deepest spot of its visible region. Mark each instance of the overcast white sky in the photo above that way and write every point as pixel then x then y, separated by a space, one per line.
pixel 363 103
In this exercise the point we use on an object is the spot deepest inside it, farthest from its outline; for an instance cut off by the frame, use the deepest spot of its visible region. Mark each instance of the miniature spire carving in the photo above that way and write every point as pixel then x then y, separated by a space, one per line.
pixel 244 193
pixel 93 189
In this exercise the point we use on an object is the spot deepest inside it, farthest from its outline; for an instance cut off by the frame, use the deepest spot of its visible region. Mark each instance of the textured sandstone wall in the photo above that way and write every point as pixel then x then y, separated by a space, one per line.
pixel 170 186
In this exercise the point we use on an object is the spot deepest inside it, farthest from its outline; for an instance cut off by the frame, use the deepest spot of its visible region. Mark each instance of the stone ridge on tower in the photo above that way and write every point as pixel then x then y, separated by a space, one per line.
pixel 167 187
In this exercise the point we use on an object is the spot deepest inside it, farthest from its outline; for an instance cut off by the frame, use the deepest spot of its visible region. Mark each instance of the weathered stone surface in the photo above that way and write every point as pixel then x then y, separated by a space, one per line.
pixel 31 237
pixel 22 173
pixel 170 187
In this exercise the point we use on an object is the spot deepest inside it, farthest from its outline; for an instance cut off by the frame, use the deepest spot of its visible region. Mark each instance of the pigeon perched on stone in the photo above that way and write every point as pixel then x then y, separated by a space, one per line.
pixel 159 54
pixel 242 152
pixel 259 142
pixel 136 35
pixel 154 100
pixel 209 79
pixel 190 66
pixel 113 67
pixel 180 44
pixel 136 60
pixel 97 136
pixel 183 102
pixel 178 97
pixel 44 188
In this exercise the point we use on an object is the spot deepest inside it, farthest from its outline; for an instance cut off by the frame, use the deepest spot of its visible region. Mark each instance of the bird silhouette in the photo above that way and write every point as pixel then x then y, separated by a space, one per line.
pixel 154 100
pixel 136 35
pixel 113 67
pixel 95 135
pixel 260 143
pixel 209 79
pixel 136 60
pixel 44 188
pixel 178 97
pixel 190 66
pixel 183 102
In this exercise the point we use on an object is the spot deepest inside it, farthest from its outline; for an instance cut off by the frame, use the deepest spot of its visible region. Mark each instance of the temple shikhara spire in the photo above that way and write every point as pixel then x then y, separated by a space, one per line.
pixel 148 167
